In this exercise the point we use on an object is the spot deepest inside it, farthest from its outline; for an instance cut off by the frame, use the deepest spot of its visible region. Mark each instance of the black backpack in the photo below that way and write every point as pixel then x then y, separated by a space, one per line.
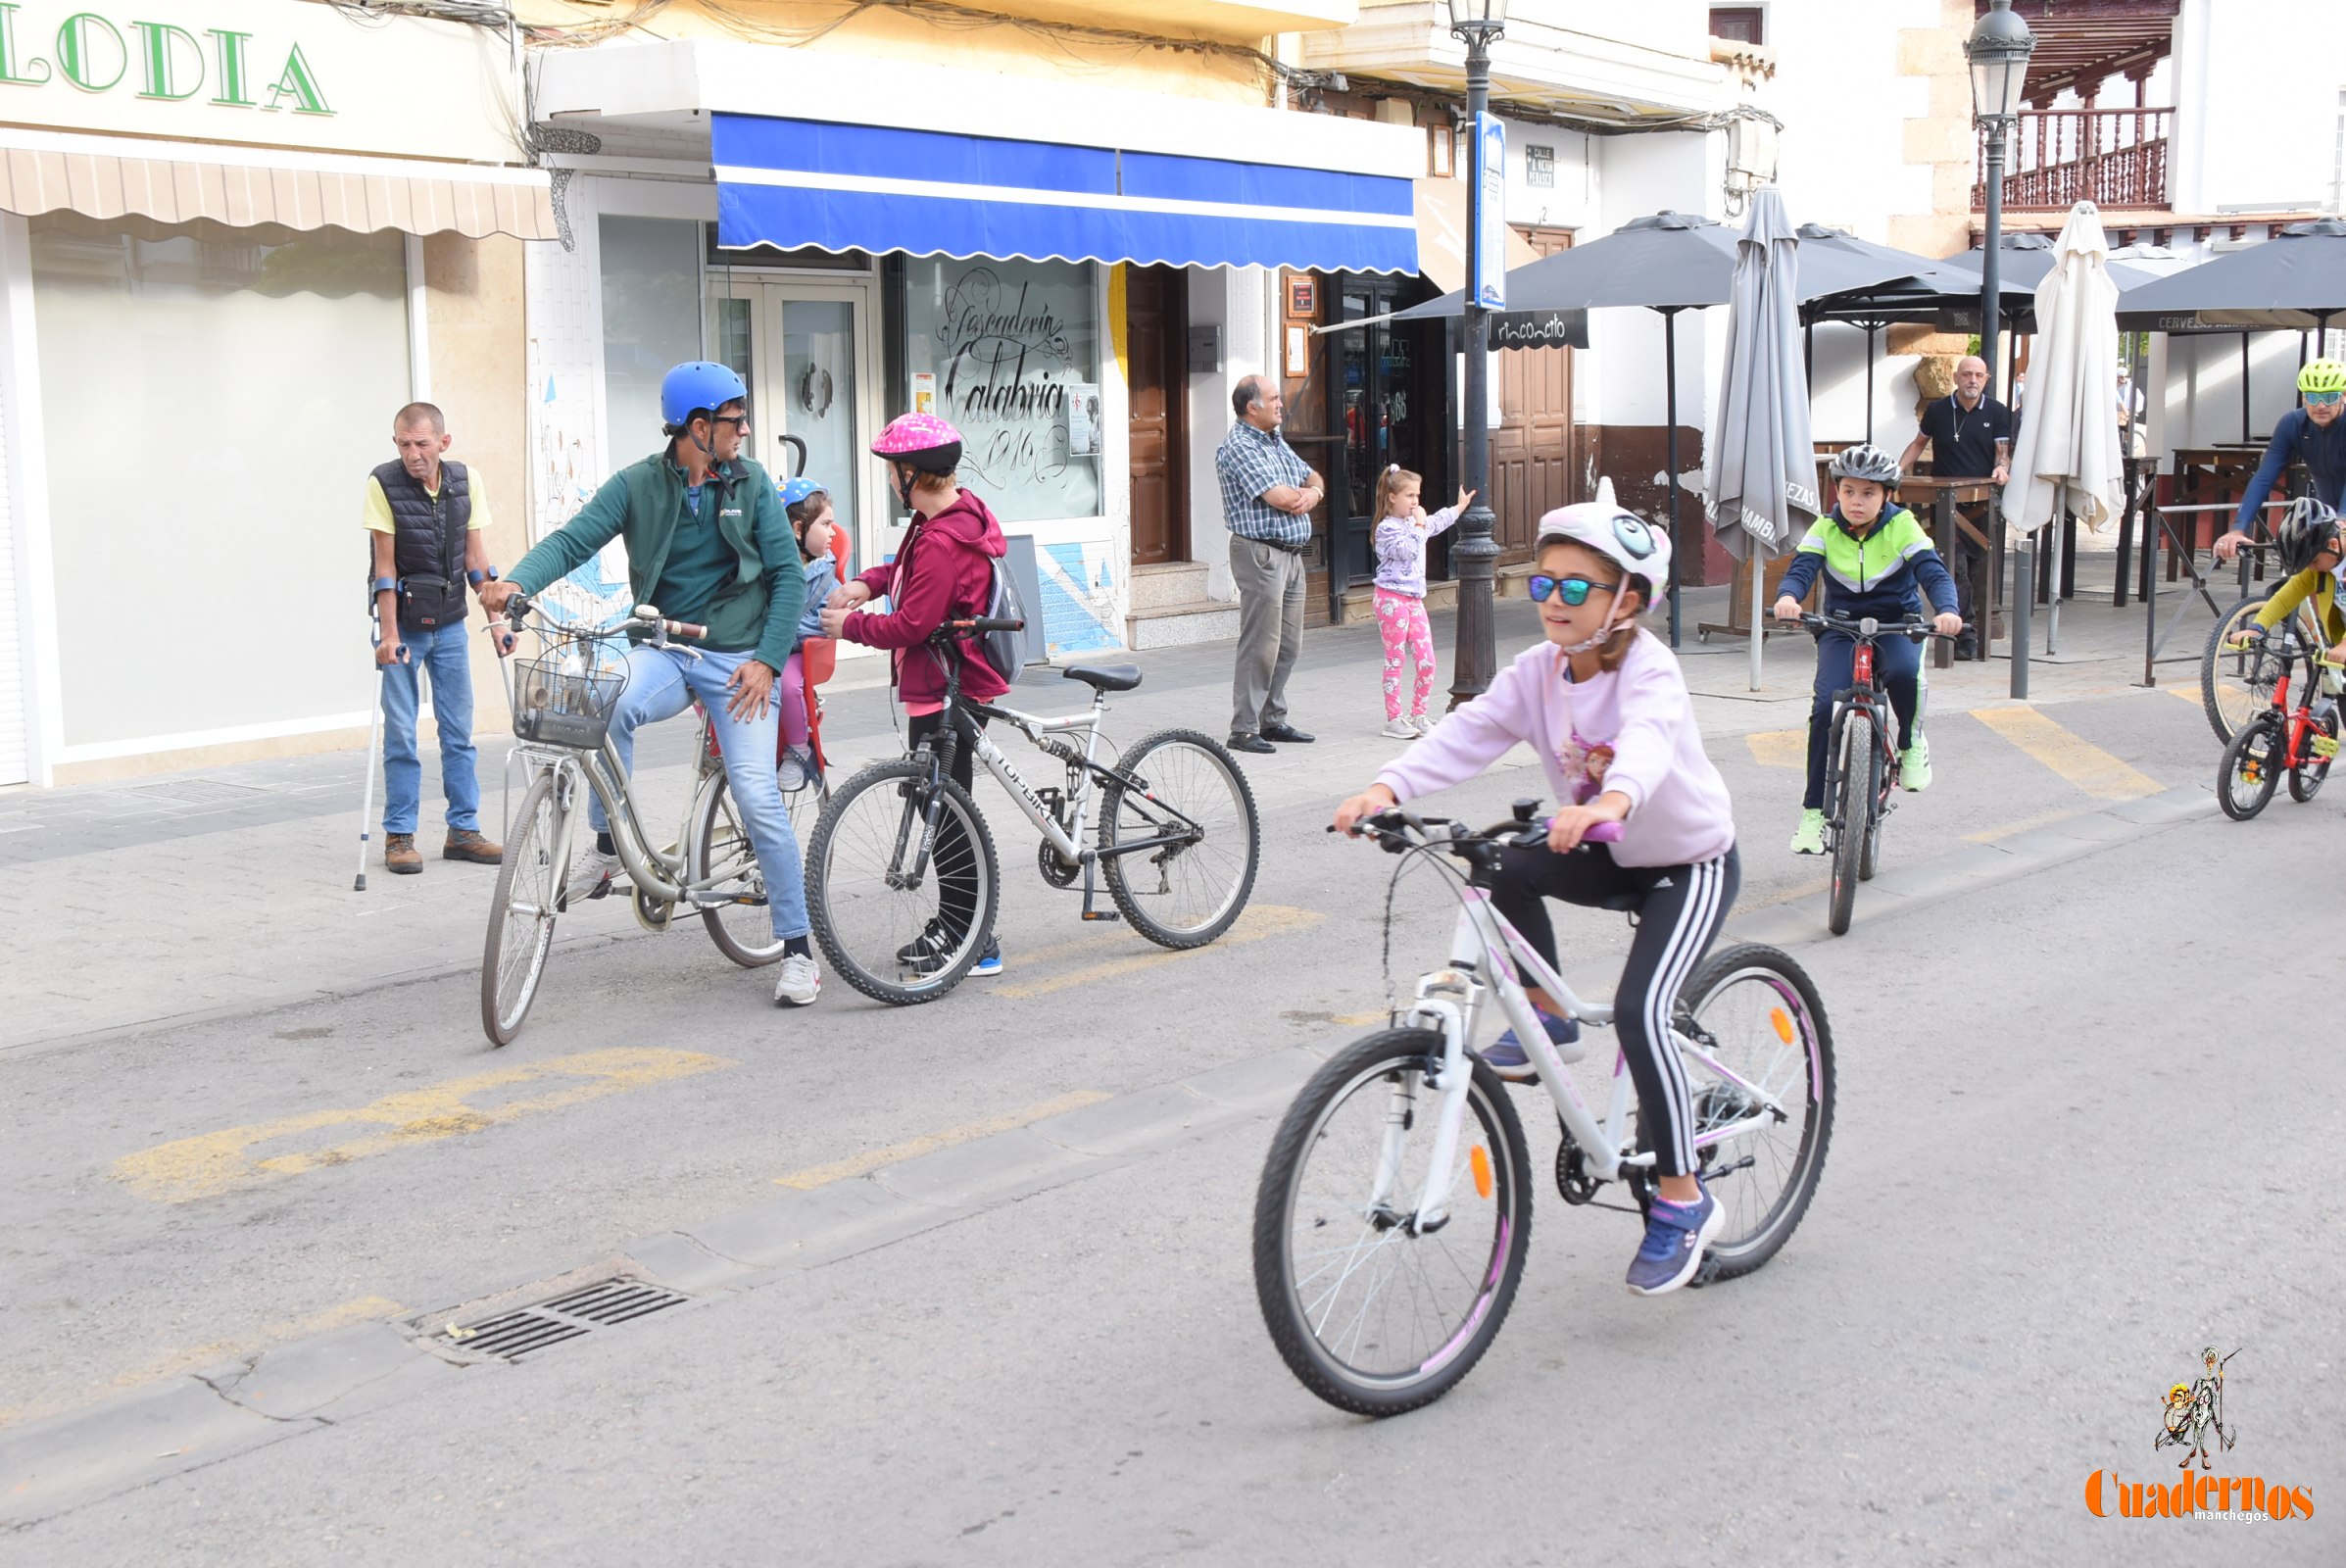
pixel 1004 650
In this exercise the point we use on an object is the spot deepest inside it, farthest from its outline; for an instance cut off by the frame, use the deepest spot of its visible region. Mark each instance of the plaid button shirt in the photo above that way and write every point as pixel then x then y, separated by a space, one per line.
pixel 1250 461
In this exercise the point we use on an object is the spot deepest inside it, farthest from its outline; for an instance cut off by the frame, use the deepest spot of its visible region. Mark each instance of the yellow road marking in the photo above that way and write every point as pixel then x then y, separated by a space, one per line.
pixel 1997 835
pixel 2075 758
pixel 2183 693
pixel 1262 920
pixel 213 1162
pixel 1779 748
pixel 840 1170
pixel 1360 1020
pixel 365 1309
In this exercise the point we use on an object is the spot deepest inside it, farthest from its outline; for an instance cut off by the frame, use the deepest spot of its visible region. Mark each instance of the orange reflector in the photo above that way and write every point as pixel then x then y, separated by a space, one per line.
pixel 1783 1024
pixel 1480 1162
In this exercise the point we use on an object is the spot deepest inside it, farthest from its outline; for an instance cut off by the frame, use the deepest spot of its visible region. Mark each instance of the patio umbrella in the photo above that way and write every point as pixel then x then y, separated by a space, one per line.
pixel 2065 455
pixel 1760 481
pixel 2294 281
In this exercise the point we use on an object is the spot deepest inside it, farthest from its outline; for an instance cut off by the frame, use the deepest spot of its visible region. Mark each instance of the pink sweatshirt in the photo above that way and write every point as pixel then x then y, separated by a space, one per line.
pixel 1630 729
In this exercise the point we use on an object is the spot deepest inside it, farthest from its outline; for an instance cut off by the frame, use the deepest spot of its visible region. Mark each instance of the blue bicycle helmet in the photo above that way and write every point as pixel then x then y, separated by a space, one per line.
pixel 794 491
pixel 697 386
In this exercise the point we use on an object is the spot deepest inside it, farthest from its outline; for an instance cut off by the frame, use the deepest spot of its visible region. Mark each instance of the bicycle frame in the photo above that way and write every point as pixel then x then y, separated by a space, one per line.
pixel 653 872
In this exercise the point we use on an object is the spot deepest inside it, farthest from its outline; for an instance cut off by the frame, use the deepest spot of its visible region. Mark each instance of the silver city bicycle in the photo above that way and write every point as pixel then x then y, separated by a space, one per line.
pixel 563 698
pixel 901 877
pixel 1394 1210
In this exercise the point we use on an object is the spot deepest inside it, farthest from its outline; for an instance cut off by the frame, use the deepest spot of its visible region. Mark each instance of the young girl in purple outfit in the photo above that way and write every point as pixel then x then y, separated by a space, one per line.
pixel 1604 706
pixel 1402 529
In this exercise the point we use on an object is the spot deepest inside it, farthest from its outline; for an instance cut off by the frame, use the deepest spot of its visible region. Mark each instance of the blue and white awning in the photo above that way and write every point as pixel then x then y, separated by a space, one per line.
pixel 841 187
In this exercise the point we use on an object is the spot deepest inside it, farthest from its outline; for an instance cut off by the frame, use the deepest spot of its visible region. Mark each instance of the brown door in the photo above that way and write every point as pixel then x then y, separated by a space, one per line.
pixel 1156 346
pixel 1531 459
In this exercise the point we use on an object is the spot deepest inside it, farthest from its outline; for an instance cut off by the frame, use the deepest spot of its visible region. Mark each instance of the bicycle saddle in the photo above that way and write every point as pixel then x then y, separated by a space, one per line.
pixel 1105 677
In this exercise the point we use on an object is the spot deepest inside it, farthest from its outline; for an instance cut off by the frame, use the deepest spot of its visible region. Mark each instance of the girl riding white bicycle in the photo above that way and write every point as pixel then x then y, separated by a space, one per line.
pixel 1606 705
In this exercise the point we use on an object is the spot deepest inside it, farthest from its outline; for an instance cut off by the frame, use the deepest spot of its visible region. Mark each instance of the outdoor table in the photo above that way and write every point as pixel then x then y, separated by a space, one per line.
pixel 1937 499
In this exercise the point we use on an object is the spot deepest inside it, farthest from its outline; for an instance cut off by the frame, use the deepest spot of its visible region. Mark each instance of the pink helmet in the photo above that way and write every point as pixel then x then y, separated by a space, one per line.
pixel 920 441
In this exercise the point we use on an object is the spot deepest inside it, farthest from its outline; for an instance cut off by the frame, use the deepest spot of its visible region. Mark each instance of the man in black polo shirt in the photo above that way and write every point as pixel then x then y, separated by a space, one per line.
pixel 1971 438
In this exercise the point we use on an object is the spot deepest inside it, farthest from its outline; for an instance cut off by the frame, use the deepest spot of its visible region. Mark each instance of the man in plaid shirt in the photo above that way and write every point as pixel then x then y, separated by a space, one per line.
pixel 1267 497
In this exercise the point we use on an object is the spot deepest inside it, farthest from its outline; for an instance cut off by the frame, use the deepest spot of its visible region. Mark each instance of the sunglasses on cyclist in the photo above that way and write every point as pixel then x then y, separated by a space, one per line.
pixel 2322 400
pixel 1571 590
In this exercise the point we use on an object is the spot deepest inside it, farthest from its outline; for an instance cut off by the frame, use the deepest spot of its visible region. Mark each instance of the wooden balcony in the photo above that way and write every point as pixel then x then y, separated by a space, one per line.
pixel 2053 158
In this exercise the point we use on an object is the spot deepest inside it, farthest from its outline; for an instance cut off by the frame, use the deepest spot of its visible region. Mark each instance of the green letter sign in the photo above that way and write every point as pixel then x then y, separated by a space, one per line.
pixel 37 68
pixel 76 59
pixel 296 83
pixel 157 45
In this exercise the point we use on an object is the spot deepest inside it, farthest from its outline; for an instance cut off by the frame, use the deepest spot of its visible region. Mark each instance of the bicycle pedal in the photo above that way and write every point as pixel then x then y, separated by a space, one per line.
pixel 1101 914
pixel 2324 747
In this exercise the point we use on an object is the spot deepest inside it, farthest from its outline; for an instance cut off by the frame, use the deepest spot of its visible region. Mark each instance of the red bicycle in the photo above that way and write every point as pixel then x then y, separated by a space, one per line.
pixel 2300 741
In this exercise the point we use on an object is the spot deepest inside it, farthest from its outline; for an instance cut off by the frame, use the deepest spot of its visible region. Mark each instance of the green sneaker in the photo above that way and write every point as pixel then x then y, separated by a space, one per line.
pixel 1914 766
pixel 1809 837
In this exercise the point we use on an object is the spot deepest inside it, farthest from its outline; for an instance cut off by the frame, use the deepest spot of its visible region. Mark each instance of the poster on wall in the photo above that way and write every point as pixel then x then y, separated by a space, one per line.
pixel 1083 421
pixel 924 392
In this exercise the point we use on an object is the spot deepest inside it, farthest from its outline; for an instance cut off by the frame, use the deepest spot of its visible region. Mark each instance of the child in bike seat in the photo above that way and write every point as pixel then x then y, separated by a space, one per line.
pixel 1604 706
pixel 809 507
pixel 1874 556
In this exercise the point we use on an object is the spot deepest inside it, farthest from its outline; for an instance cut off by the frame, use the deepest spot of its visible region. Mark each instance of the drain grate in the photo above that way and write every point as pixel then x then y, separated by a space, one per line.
pixel 526 1330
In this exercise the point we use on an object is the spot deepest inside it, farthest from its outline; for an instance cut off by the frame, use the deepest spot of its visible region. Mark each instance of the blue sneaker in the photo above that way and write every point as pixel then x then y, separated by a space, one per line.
pixel 1505 1056
pixel 989 961
pixel 1675 1235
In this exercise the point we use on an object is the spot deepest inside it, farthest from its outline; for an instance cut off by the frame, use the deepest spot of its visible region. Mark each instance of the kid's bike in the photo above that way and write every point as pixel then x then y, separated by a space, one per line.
pixel 1395 1206
pixel 2300 742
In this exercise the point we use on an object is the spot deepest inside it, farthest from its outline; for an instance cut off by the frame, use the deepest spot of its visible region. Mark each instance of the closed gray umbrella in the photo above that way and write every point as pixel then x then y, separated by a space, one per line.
pixel 1761 480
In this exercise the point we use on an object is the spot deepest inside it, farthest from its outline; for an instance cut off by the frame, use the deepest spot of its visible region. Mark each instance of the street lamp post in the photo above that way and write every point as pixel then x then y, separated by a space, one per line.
pixel 1476 24
pixel 1998 50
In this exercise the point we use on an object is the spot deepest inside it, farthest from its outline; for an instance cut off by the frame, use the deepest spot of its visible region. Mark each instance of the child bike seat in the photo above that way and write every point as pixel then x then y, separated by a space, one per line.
pixel 1105 677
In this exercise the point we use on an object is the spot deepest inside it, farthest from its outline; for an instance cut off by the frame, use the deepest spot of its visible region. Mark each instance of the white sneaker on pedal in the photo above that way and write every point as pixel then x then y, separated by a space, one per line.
pixel 797 769
pixel 797 981
pixel 590 876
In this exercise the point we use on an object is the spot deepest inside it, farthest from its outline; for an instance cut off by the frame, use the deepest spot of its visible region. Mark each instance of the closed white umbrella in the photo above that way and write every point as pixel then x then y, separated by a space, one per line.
pixel 2066 456
pixel 1761 483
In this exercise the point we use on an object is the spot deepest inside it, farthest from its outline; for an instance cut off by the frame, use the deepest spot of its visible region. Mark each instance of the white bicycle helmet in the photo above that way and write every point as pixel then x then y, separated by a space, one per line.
pixel 1864 462
pixel 1620 536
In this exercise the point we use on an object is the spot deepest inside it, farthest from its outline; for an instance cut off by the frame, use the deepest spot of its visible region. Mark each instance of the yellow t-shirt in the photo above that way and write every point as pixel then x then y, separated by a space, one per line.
pixel 376 512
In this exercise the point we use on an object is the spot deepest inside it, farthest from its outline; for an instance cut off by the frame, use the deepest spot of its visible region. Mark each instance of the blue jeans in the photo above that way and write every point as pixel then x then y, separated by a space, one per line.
pixel 1897 670
pixel 443 652
pixel 661 684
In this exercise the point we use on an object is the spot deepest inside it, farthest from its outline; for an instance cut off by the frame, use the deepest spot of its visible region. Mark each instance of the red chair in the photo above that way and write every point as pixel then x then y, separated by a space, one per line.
pixel 818 659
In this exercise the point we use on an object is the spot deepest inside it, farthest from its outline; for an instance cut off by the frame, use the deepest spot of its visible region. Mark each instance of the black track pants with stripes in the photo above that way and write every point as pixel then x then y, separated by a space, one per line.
pixel 1683 908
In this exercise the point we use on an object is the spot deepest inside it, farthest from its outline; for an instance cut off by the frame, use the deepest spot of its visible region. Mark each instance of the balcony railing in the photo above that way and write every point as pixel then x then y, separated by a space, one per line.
pixel 2056 156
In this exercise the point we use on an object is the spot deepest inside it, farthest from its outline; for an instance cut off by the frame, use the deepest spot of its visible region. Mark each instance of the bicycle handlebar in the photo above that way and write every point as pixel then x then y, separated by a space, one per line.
pixel 1391 828
pixel 1864 625
pixel 643 617
pixel 978 625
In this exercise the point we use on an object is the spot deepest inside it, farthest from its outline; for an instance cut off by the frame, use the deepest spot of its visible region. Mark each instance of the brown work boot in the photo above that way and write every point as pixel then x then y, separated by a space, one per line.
pixel 399 855
pixel 466 845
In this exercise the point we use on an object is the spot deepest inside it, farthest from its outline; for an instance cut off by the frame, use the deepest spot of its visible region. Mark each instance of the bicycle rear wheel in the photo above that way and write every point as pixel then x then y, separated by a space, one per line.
pixel 2305 779
pixel 1852 822
pixel 521 913
pixel 2235 683
pixel 1369 1314
pixel 2252 767
pixel 723 863
pixel 1188 791
pixel 890 938
pixel 1752 1027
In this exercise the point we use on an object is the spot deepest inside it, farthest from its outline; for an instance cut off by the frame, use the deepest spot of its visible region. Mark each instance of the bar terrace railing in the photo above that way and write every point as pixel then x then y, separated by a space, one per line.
pixel 2114 158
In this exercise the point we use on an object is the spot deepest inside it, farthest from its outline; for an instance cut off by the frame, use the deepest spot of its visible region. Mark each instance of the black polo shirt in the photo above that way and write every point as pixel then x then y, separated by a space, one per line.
pixel 1963 443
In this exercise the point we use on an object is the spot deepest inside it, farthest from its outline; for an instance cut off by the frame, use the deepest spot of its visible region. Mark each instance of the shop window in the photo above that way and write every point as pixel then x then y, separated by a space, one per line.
pixel 213 399
pixel 1739 23
pixel 651 322
pixel 1010 351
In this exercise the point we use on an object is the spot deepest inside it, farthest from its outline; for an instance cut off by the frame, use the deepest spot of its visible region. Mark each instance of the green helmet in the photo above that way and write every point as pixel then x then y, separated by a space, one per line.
pixel 2323 375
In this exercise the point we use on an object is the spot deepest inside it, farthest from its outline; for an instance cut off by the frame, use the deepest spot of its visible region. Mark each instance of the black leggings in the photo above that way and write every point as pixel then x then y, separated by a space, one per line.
pixel 1683 908
pixel 954 859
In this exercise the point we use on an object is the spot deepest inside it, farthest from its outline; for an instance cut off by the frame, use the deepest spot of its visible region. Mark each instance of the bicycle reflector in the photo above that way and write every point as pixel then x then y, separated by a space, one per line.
pixel 1479 1159
pixel 1783 1021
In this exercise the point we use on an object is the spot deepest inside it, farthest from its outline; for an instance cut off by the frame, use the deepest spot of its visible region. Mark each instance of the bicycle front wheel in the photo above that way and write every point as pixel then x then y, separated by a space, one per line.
pixel 1751 1032
pixel 2236 683
pixel 521 913
pixel 730 884
pixel 1853 821
pixel 2252 767
pixel 1189 804
pixel 894 938
pixel 1371 1313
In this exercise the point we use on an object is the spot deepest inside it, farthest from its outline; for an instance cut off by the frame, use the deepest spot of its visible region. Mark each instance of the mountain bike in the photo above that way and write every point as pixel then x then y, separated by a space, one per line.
pixel 2236 679
pixel 2301 742
pixel 1394 1209
pixel 1861 761
pixel 563 699
pixel 901 877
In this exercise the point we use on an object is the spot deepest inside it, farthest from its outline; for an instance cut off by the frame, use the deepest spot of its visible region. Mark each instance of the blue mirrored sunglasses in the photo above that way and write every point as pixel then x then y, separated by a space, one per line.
pixel 1571 590
pixel 2317 398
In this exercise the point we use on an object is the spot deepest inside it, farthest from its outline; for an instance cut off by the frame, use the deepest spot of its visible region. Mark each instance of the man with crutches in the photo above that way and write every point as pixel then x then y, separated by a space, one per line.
pixel 424 517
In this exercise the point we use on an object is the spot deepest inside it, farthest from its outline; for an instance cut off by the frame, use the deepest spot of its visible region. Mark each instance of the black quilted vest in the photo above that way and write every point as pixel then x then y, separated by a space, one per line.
pixel 429 547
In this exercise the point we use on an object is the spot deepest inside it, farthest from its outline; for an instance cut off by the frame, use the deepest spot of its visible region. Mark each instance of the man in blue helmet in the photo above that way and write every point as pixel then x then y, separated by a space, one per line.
pixel 707 543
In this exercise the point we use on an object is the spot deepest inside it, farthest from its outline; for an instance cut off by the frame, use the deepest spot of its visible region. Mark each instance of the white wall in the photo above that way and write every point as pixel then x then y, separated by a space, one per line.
pixel 2202 397
pixel 2257 85
pixel 1841 157
pixel 1624 368
pixel 1572 201
pixel 1233 299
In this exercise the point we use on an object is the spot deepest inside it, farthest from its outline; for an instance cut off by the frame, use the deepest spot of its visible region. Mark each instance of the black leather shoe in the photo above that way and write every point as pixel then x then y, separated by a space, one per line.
pixel 1251 743
pixel 1288 734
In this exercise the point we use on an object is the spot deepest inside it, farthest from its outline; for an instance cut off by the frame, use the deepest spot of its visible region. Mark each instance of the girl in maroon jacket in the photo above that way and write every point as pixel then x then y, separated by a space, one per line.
pixel 944 571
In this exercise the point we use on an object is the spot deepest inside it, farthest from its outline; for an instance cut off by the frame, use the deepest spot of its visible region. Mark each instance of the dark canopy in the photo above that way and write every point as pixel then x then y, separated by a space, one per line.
pixel 2293 281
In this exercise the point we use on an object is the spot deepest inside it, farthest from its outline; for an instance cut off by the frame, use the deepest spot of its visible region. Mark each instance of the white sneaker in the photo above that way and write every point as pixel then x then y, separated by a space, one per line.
pixel 1424 723
pixel 797 981
pixel 590 876
pixel 1398 729
pixel 798 763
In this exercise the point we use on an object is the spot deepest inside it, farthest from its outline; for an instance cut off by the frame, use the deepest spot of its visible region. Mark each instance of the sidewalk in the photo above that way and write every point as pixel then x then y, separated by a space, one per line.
pixel 229 892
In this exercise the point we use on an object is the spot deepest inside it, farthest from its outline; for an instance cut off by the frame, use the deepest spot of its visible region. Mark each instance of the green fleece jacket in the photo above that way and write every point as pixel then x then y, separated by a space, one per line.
pixel 642 505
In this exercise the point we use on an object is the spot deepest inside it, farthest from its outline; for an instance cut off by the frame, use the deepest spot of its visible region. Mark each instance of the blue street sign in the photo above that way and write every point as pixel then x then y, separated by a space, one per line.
pixel 1489 172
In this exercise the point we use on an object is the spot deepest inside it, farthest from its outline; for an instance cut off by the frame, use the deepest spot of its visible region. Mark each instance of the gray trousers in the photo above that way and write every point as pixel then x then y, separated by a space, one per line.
pixel 1270 589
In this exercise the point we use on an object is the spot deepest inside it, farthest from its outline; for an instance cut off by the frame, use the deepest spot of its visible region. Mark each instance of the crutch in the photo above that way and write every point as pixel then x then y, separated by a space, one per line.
pixel 374 745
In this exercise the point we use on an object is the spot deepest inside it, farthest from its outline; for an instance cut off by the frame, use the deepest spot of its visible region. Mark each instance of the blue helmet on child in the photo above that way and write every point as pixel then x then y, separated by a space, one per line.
pixel 794 491
pixel 697 386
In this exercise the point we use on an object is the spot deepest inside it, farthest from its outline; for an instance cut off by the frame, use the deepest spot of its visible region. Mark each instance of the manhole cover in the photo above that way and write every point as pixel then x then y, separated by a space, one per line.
pixel 524 1330
pixel 196 791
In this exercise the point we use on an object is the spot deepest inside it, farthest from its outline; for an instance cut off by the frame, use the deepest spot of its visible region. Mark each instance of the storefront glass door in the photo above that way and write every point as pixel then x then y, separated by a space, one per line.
pixel 803 349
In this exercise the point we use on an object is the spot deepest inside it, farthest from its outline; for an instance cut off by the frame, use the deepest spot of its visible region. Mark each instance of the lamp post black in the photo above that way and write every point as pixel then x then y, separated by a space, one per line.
pixel 1473 558
pixel 1998 50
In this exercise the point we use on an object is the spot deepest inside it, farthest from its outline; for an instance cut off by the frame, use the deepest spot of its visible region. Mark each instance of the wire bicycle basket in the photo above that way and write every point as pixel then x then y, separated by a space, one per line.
pixel 562 699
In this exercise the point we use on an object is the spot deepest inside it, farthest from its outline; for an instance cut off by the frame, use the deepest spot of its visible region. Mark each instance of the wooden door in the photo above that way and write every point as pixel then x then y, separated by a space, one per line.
pixel 1157 349
pixel 1532 458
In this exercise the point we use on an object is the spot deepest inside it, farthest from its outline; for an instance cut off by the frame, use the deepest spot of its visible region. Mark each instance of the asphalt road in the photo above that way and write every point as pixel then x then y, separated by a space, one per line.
pixel 2083 1126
